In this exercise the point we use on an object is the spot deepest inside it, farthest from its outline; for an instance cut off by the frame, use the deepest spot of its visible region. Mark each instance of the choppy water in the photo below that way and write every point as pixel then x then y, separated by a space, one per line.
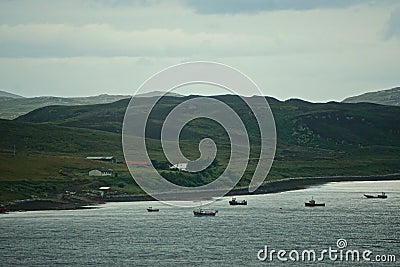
pixel 125 234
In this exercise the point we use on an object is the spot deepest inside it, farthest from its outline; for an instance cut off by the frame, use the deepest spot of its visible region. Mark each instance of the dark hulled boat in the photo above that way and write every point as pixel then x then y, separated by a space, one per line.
pixel 151 209
pixel 312 203
pixel 202 212
pixel 383 195
pixel 234 202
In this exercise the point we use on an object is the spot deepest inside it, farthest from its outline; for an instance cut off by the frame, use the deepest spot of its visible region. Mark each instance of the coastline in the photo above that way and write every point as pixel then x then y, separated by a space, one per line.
pixel 299 183
pixel 268 187
pixel 48 204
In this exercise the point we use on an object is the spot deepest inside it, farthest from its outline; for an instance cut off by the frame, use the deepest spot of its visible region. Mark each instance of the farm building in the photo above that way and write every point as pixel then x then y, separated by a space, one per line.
pixel 105 188
pixel 101 172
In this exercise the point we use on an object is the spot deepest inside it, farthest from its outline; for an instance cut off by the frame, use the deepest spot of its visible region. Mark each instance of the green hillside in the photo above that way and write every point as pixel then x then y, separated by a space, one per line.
pixel 12 107
pixel 9 95
pixel 313 140
pixel 325 125
pixel 384 97
pixel 49 138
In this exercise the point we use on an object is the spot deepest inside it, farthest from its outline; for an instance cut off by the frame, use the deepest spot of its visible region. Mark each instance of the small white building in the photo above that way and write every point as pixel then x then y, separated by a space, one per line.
pixel 101 172
pixel 105 188
pixel 179 166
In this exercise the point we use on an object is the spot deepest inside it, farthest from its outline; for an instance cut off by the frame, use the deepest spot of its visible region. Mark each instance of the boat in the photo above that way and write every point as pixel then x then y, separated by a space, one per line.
pixel 151 209
pixel 383 195
pixel 234 202
pixel 203 212
pixel 312 203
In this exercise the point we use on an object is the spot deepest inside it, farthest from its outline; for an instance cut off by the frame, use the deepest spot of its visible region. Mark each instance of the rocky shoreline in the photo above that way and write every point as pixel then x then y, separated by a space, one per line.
pixel 267 188
pixel 45 204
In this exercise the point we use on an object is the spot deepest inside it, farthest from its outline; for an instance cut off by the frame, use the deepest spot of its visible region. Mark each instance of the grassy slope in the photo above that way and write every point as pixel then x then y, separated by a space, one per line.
pixel 42 150
pixel 313 140
pixel 383 97
pixel 9 95
pixel 49 138
pixel 11 108
pixel 298 122
pixel 107 117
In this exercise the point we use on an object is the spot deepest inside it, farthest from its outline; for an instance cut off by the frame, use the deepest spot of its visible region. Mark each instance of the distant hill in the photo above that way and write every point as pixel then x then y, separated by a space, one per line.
pixel 329 125
pixel 158 93
pixel 9 95
pixel 384 97
pixel 106 117
pixel 11 108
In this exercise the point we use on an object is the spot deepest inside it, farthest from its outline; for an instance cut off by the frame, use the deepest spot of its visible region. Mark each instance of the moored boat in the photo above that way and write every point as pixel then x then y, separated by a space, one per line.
pixel 312 203
pixel 234 202
pixel 151 209
pixel 383 195
pixel 203 212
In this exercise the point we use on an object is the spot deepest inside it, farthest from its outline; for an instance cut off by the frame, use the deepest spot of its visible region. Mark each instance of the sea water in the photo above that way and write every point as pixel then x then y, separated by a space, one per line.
pixel 125 234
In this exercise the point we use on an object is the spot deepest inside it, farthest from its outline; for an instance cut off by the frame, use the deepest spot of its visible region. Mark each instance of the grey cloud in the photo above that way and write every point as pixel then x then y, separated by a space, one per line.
pixel 255 6
pixel 125 3
pixel 86 47
pixel 393 25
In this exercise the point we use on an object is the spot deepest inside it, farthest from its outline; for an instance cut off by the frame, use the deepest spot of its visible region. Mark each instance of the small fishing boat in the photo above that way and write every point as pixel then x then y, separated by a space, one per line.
pixel 383 195
pixel 312 203
pixel 151 209
pixel 234 202
pixel 203 212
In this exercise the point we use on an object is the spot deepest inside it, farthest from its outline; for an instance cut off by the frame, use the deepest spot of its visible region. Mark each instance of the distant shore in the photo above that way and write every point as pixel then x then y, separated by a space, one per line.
pixel 268 187
pixel 36 204
pixel 290 184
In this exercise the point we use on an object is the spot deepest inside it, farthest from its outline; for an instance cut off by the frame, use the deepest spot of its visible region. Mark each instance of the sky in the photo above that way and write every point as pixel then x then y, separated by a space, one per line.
pixel 319 50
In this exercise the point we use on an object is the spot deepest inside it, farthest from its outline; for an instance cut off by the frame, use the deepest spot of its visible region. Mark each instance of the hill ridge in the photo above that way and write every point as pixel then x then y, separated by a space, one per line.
pixel 9 95
pixel 384 97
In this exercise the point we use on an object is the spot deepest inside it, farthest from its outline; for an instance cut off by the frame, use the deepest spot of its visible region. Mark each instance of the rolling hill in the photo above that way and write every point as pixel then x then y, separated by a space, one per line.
pixel 326 125
pixel 50 138
pixel 12 107
pixel 383 97
pixel 314 139
pixel 9 95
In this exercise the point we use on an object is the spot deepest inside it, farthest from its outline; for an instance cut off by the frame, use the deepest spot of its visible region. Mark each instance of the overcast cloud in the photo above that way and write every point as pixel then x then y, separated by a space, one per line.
pixel 315 50
pixel 256 6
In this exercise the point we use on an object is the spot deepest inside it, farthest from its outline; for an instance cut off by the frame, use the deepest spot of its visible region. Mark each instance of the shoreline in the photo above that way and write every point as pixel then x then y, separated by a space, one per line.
pixel 47 204
pixel 269 187
pixel 290 184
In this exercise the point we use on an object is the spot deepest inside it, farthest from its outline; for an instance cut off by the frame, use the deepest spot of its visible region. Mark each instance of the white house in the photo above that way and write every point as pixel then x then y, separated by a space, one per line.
pixel 179 166
pixel 105 188
pixel 101 172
